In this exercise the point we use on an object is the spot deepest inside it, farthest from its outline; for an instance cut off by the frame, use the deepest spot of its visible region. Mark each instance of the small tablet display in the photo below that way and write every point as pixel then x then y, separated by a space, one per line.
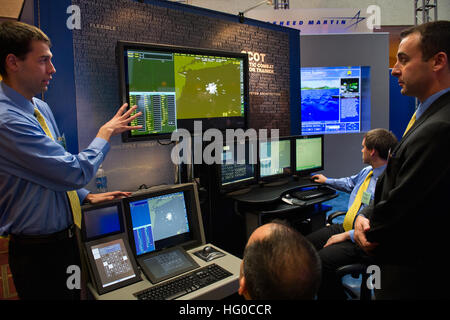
pixel 166 264
pixel 102 220
pixel 111 263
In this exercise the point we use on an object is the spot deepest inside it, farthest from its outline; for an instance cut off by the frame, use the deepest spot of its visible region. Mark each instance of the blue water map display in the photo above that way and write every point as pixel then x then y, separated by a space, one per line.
pixel 330 100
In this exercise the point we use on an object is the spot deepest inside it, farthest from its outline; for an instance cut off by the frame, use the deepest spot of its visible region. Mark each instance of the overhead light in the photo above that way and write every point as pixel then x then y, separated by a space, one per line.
pixel 241 14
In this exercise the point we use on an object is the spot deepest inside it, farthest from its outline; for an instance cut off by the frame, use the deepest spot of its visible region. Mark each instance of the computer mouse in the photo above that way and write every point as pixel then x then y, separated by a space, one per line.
pixel 207 250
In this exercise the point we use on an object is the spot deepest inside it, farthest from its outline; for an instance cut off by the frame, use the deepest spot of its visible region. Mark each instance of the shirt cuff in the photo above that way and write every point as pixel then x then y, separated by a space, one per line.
pixel 352 234
pixel 82 193
pixel 100 144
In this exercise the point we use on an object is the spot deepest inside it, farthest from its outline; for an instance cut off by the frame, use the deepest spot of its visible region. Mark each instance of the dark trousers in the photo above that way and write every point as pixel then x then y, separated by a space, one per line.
pixel 40 271
pixel 333 257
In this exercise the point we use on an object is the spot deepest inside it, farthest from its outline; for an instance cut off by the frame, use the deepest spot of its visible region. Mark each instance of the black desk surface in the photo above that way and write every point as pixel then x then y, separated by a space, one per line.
pixel 271 192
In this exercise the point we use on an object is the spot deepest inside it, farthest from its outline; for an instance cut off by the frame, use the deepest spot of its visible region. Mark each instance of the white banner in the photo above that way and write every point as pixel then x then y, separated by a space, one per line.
pixel 325 20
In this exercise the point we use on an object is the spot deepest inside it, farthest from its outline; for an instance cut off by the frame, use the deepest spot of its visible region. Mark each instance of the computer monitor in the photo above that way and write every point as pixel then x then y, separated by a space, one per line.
pixel 333 99
pixel 175 86
pixel 161 225
pixel 238 167
pixel 111 263
pixel 274 158
pixel 101 220
pixel 308 154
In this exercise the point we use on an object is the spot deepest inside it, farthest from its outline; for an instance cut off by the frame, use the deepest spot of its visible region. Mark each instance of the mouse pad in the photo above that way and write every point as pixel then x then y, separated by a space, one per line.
pixel 213 254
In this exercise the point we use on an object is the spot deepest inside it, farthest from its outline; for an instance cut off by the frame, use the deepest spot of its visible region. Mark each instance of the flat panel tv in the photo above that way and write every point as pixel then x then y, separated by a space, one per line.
pixel 175 86
pixel 333 99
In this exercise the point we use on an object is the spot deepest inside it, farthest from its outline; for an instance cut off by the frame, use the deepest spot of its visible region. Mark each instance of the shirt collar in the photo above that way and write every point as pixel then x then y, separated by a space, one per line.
pixel 429 101
pixel 378 171
pixel 18 99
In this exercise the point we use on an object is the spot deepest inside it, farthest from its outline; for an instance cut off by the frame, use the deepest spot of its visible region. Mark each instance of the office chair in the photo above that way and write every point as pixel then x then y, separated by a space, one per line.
pixel 355 270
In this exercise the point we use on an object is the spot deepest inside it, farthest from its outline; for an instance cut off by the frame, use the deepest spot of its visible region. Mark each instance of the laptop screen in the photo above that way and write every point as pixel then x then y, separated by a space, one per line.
pixel 159 222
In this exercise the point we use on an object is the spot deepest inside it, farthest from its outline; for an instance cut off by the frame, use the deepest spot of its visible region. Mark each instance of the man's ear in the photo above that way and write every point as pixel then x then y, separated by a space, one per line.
pixel 11 62
pixel 440 61
pixel 242 286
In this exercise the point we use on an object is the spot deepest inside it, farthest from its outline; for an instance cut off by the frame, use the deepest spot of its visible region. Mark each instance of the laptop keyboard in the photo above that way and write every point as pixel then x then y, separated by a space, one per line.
pixel 185 284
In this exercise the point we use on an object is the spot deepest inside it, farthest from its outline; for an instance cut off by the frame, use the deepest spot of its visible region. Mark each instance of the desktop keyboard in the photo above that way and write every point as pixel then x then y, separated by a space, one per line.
pixel 313 193
pixel 185 284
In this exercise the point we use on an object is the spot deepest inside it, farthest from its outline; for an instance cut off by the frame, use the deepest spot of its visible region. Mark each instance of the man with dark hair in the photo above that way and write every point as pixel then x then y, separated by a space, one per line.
pixel 41 184
pixel 279 263
pixel 405 229
pixel 335 243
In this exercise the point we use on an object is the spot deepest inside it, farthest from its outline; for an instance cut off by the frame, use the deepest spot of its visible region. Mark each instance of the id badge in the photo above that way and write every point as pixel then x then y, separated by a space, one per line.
pixel 366 198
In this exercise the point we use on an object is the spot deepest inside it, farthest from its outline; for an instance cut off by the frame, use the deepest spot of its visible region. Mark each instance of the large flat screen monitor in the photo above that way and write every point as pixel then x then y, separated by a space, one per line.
pixel 333 99
pixel 162 224
pixel 274 158
pixel 238 167
pixel 308 154
pixel 175 86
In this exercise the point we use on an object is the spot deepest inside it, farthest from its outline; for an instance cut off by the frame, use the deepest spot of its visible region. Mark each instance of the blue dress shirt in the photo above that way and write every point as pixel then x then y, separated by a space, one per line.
pixel 427 103
pixel 35 171
pixel 352 184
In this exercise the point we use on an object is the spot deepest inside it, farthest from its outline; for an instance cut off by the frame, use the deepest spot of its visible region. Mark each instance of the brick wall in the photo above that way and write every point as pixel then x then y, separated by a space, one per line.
pixel 104 22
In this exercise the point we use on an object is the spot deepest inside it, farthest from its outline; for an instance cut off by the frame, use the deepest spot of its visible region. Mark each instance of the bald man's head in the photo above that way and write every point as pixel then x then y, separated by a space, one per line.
pixel 279 263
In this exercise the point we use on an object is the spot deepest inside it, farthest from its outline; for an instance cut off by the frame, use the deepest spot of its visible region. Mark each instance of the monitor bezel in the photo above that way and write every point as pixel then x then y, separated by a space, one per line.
pixel 153 277
pixel 94 271
pixel 91 207
pixel 124 91
pixel 236 185
pixel 192 209
pixel 306 172
pixel 274 176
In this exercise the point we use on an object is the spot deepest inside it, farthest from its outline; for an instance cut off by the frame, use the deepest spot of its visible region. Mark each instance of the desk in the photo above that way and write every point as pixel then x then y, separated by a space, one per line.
pixel 216 291
pixel 263 204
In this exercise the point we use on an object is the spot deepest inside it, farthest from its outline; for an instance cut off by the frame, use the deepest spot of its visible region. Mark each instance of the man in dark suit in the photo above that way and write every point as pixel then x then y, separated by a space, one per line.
pixel 405 230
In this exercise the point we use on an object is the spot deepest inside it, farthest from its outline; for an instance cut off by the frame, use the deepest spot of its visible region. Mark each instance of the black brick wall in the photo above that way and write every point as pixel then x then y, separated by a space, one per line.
pixel 103 22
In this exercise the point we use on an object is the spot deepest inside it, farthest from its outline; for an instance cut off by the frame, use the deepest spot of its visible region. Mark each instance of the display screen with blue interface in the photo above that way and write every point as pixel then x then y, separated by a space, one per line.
pixel 102 221
pixel 159 222
pixel 331 99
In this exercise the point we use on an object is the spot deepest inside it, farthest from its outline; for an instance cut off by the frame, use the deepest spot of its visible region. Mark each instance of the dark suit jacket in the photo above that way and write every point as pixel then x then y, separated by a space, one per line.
pixel 411 212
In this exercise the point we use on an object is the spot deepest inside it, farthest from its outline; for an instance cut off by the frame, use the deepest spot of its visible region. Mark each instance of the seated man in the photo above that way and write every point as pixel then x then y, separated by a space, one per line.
pixel 335 243
pixel 279 263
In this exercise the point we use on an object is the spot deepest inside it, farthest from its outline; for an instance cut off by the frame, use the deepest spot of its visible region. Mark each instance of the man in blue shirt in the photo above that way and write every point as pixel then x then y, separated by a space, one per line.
pixel 335 243
pixel 37 173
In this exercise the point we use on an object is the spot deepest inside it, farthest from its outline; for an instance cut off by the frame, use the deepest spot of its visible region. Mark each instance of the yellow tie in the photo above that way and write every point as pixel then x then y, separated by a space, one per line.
pixel 354 208
pixel 410 124
pixel 72 195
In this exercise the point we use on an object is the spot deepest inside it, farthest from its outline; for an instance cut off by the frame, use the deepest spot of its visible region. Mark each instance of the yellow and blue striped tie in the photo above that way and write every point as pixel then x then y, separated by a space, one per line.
pixel 72 195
